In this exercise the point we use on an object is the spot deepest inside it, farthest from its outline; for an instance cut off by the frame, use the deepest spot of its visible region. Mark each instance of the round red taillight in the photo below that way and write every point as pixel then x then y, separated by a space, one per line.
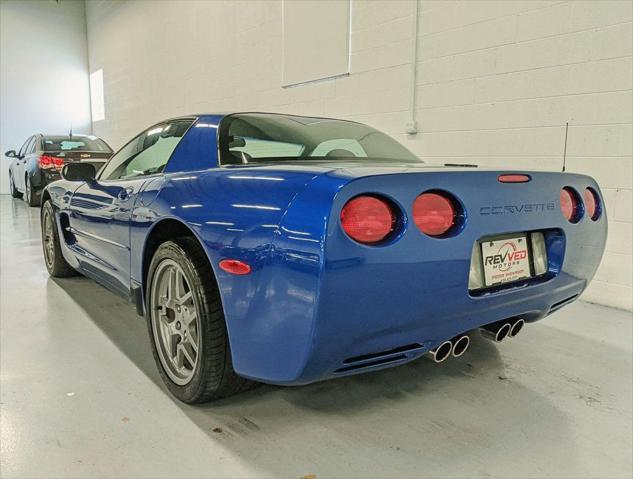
pixel 434 213
pixel 592 204
pixel 569 205
pixel 367 219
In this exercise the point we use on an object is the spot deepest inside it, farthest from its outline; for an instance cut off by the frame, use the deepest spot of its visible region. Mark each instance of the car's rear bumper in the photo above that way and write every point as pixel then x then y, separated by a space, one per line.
pixel 398 327
pixel 359 332
pixel 41 178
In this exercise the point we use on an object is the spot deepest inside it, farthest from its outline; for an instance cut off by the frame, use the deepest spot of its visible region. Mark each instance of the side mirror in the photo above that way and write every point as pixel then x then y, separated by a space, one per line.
pixel 84 172
pixel 11 154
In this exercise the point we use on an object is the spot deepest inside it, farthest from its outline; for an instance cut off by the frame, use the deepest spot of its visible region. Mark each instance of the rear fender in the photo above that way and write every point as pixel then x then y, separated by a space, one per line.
pixel 236 214
pixel 274 335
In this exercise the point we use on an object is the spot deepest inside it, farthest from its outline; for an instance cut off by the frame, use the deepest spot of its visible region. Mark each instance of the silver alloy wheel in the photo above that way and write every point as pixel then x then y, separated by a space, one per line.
pixel 49 239
pixel 27 190
pixel 175 321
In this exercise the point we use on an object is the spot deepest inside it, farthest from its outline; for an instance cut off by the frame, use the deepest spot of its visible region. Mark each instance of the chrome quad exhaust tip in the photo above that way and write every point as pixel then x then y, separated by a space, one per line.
pixel 453 347
pixel 517 326
pixel 498 331
pixel 460 345
pixel 440 353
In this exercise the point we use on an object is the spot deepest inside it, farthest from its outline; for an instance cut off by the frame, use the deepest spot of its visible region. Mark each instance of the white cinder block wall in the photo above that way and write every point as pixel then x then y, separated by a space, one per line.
pixel 496 83
pixel 44 73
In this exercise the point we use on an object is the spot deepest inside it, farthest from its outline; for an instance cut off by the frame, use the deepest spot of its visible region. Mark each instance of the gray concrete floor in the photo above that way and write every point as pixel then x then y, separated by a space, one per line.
pixel 81 397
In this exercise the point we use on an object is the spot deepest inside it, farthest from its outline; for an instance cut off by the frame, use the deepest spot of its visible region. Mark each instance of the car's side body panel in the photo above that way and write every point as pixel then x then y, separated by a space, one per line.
pixel 317 304
pixel 99 222
pixel 23 165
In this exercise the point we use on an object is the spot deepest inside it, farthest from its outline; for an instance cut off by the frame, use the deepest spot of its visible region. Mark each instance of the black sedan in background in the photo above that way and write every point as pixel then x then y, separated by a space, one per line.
pixel 42 157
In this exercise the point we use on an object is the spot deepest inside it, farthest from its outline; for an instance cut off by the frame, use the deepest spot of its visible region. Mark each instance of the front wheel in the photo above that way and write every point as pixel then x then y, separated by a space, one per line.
pixel 186 325
pixel 56 264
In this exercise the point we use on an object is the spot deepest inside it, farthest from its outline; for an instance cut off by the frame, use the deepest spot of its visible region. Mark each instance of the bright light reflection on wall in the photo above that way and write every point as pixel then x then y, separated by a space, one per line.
pixel 96 96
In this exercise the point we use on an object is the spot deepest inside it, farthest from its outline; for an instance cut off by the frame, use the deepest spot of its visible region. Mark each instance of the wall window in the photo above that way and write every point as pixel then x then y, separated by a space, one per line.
pixel 96 96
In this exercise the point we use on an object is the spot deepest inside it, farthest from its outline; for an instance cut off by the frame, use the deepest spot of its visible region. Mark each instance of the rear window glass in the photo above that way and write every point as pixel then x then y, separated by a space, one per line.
pixel 75 143
pixel 263 137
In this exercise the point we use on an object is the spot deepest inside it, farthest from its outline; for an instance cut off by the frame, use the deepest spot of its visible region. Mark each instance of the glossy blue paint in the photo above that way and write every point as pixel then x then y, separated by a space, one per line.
pixel 199 149
pixel 315 299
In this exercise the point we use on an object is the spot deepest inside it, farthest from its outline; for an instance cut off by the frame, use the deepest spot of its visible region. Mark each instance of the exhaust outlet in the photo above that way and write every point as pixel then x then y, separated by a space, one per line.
pixel 517 326
pixel 496 332
pixel 460 345
pixel 441 353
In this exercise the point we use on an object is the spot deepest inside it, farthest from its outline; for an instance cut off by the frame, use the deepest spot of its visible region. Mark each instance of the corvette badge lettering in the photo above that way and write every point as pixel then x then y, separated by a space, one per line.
pixel 514 209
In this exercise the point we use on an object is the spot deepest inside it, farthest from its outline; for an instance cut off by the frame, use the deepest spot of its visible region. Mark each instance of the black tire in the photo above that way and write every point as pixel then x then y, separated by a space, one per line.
pixel 213 376
pixel 14 191
pixel 54 260
pixel 29 195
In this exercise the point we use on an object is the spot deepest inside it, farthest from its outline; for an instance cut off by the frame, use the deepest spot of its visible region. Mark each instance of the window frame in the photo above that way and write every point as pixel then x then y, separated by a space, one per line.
pixel 38 142
pixel 24 147
pixel 31 148
pixel 100 178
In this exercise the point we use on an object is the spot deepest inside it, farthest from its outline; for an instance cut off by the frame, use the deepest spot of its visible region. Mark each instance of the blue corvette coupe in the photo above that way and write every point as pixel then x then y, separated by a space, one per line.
pixel 289 249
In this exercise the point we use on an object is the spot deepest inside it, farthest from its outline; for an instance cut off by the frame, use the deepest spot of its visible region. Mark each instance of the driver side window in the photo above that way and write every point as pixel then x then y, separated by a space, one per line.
pixel 148 153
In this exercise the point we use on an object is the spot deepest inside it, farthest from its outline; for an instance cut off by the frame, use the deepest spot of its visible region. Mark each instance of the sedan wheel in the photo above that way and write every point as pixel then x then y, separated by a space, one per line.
pixel 175 322
pixel 29 197
pixel 14 191
pixel 27 190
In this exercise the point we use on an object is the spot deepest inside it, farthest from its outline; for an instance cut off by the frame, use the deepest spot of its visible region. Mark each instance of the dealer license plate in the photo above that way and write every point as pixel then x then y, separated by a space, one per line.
pixel 506 260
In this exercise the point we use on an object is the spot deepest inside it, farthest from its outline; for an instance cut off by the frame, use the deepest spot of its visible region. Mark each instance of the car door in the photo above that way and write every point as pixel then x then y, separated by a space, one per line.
pixel 18 173
pixel 100 211
pixel 31 158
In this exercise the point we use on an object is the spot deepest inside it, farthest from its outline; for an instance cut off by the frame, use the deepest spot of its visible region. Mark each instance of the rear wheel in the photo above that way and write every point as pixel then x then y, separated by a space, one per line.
pixel 14 191
pixel 56 264
pixel 186 325
pixel 29 195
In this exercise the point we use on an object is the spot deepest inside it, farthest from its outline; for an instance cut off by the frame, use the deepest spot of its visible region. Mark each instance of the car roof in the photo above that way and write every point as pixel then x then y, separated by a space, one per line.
pixel 77 135
pixel 253 112
pixel 220 115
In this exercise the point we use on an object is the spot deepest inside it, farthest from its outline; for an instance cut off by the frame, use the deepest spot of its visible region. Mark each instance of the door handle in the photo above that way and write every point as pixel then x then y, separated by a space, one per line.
pixel 124 194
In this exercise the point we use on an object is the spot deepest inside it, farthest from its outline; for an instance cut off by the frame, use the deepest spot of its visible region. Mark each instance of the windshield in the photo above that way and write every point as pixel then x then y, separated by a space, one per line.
pixel 263 137
pixel 75 143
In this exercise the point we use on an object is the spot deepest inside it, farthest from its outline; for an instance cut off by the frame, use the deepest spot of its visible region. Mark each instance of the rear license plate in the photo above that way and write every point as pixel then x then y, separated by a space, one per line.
pixel 506 260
